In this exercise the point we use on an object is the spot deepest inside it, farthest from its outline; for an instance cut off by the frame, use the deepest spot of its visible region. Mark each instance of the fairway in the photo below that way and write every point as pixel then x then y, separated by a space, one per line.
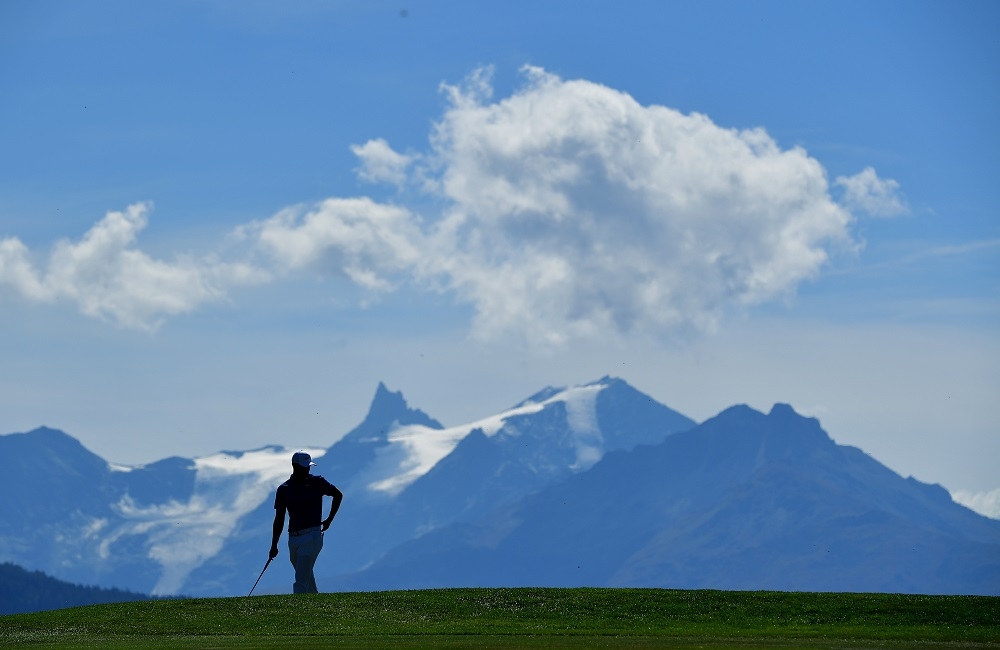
pixel 522 618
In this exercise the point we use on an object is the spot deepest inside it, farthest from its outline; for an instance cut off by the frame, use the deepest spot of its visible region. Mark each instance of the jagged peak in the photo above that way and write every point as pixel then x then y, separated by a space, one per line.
pixel 388 406
pixel 387 400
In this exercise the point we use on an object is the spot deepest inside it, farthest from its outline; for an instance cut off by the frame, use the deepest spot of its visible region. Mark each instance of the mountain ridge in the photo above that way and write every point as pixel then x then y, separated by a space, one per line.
pixel 196 525
pixel 782 506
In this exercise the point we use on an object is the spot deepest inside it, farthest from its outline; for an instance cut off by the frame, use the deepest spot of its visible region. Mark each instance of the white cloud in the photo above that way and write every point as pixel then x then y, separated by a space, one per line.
pixel 868 193
pixel 576 210
pixel 17 271
pixel 572 210
pixel 985 503
pixel 364 240
pixel 569 211
pixel 107 277
pixel 380 164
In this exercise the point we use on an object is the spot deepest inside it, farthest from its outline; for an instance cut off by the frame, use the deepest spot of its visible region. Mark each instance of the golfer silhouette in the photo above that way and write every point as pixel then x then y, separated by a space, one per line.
pixel 302 496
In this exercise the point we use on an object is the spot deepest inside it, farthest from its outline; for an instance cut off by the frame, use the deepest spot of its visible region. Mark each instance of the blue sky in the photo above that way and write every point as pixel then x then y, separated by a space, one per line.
pixel 223 223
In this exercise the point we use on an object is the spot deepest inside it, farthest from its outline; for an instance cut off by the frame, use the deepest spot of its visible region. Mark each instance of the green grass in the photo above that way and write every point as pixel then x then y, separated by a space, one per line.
pixel 522 618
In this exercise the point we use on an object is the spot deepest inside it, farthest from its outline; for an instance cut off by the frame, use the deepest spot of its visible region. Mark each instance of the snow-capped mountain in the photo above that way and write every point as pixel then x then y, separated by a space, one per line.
pixel 743 501
pixel 560 429
pixel 193 526
pixel 396 446
pixel 404 474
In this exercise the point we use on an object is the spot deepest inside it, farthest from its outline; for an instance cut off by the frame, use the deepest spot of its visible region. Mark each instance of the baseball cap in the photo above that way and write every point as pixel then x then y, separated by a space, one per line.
pixel 302 459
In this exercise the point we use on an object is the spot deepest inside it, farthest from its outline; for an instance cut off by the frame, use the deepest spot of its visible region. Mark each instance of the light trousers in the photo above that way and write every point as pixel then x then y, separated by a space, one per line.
pixel 303 551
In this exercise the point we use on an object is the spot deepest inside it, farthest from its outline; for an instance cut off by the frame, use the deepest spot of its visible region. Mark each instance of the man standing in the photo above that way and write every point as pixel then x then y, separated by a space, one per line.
pixel 302 496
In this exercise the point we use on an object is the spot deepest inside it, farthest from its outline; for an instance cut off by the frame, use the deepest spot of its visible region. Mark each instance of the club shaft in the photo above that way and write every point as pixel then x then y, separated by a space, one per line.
pixel 260 576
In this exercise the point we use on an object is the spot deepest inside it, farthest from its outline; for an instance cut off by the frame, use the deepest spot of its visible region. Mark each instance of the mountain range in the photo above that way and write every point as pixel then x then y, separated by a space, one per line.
pixel 589 485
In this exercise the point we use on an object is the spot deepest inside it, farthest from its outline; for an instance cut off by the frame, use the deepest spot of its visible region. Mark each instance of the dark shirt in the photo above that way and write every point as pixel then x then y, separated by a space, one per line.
pixel 302 496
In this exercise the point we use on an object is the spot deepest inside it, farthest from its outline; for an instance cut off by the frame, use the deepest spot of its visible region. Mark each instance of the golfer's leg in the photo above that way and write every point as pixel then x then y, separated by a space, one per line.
pixel 319 547
pixel 293 557
pixel 299 558
pixel 305 581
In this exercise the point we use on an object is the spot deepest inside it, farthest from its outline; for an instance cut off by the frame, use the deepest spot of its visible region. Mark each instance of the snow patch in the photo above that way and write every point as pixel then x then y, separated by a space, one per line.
pixel 182 536
pixel 985 503
pixel 414 449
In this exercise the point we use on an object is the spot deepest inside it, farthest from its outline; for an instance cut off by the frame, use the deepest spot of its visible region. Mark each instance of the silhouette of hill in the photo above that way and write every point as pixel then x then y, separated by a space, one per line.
pixel 23 591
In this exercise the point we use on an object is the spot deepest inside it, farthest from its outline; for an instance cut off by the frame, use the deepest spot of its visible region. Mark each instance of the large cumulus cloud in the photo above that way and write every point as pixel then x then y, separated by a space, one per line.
pixel 565 210
pixel 576 209
pixel 573 210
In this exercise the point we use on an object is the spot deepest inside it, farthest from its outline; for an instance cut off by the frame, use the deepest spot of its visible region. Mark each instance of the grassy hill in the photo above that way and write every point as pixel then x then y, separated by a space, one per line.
pixel 522 618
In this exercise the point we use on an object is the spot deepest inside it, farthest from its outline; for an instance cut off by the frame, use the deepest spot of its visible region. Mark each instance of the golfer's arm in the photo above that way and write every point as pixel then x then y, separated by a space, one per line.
pixel 338 497
pixel 279 525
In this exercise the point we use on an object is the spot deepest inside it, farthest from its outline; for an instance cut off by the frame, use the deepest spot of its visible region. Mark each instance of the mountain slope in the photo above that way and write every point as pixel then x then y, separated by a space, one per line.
pixel 23 591
pixel 72 477
pixel 65 498
pixel 543 440
pixel 745 500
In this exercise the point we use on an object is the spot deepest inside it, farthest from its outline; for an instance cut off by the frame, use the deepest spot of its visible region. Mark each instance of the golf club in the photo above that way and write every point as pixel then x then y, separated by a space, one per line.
pixel 260 576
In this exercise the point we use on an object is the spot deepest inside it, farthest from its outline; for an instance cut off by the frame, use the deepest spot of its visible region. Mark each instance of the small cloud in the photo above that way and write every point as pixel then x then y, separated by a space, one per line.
pixel 380 163
pixel 17 271
pixel 365 241
pixel 875 196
